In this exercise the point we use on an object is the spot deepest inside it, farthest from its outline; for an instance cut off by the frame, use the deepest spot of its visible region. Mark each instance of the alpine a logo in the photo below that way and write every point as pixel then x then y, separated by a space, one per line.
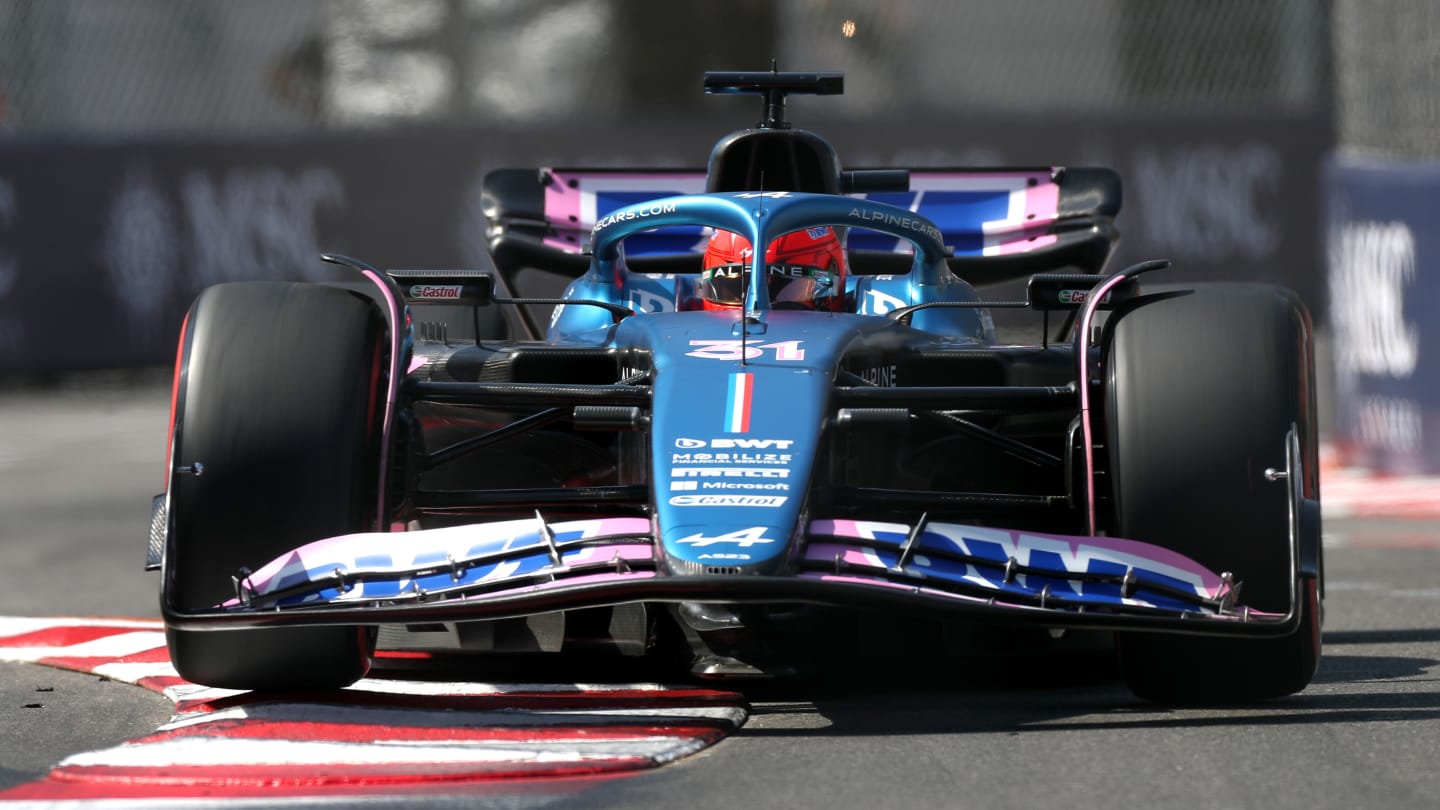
pixel 728 500
pixel 436 292
pixel 734 444
pixel 744 538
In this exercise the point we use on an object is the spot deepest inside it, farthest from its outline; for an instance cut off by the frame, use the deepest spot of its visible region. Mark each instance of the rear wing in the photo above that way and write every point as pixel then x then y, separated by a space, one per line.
pixel 1002 224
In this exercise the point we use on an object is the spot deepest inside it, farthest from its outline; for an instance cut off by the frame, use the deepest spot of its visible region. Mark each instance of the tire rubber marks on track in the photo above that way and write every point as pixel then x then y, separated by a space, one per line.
pixel 378 737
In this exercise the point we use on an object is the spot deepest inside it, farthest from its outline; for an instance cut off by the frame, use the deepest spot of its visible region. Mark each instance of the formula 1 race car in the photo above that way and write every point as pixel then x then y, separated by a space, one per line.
pixel 758 461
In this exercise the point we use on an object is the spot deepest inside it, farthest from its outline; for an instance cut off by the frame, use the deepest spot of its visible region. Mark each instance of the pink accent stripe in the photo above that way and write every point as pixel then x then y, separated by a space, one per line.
pixel 1122 549
pixel 1020 244
pixel 1042 208
pixel 455 541
pixel 835 528
pixel 1042 200
pixel 570 197
pixel 1087 314
pixel 562 207
pixel 896 586
pixel 392 389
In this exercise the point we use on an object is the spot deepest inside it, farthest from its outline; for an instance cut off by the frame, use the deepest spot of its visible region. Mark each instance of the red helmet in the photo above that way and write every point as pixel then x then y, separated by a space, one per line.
pixel 806 270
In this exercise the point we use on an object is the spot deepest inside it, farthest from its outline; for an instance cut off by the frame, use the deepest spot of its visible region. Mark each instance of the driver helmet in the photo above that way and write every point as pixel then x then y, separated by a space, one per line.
pixel 806 270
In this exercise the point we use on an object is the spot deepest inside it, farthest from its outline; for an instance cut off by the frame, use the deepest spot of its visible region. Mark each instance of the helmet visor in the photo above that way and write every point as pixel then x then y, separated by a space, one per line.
pixel 723 284
pixel 791 285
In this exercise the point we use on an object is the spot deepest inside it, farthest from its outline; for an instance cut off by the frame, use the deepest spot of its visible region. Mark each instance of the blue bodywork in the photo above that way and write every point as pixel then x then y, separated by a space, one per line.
pixel 741 408
pixel 733 449
pixel 765 216
pixel 763 488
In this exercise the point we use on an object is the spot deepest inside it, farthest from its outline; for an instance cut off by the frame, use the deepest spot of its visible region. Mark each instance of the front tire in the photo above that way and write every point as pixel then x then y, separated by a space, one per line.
pixel 279 401
pixel 1203 386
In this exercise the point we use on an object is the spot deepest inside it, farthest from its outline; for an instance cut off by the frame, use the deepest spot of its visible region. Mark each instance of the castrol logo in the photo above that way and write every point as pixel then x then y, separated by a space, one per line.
pixel 436 292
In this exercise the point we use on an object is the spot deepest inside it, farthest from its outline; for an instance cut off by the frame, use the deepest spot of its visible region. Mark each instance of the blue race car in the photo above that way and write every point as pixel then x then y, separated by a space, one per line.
pixel 757 461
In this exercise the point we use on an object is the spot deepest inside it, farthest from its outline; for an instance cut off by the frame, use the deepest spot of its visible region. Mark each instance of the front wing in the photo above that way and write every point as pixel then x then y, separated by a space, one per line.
pixel 520 567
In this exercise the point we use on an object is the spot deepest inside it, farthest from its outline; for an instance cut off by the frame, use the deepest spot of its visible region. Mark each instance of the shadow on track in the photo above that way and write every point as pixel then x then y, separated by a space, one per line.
pixel 1074 689
pixel 1063 693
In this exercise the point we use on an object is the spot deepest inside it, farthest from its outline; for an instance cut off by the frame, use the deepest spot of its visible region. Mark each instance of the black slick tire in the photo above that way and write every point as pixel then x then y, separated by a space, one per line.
pixel 278 400
pixel 1202 387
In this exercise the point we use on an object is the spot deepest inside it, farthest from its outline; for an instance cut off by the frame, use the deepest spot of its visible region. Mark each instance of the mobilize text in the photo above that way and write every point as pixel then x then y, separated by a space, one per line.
pixel 730 458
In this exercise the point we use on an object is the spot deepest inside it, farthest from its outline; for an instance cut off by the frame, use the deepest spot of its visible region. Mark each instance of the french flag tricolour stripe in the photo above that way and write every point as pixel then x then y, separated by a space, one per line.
pixel 377 738
pixel 737 403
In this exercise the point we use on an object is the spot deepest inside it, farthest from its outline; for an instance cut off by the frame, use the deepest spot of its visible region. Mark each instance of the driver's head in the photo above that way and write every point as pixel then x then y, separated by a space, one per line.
pixel 804 270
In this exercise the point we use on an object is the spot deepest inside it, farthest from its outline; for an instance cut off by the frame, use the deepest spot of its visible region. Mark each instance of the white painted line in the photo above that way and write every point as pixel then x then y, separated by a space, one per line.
pixel 210 751
pixel 441 718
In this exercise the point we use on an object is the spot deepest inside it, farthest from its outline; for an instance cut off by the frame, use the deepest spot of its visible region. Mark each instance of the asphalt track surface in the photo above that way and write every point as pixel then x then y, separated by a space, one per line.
pixel 78 464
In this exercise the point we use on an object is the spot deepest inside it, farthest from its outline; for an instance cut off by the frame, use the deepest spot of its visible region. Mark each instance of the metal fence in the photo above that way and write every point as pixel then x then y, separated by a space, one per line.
pixel 140 66
pixel 1387 68
pixel 151 147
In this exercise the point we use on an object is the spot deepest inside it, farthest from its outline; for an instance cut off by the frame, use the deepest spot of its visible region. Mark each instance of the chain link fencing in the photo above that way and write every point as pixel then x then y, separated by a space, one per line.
pixel 276 66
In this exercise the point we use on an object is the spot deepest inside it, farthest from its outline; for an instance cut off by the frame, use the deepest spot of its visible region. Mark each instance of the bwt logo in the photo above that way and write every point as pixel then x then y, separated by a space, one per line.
pixel 734 444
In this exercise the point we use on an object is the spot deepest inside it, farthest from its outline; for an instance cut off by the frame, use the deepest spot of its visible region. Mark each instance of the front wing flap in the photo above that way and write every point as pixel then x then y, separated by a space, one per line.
pixel 519 567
